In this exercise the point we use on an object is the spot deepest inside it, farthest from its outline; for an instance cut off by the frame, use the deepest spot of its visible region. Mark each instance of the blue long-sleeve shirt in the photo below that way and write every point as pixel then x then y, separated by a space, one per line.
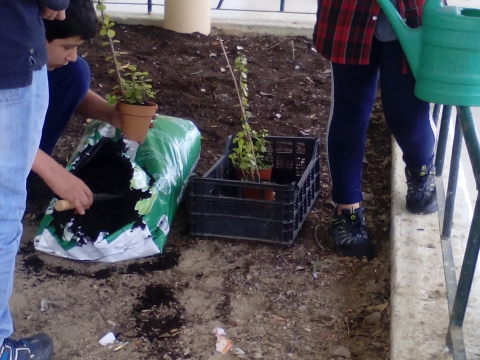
pixel 22 40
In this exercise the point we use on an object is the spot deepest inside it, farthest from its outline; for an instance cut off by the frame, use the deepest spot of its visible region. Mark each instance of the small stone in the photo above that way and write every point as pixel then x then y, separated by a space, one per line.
pixel 343 352
pixel 373 318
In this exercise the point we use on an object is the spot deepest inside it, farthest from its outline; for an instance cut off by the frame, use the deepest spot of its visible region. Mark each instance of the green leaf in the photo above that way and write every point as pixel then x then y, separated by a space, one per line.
pixel 111 33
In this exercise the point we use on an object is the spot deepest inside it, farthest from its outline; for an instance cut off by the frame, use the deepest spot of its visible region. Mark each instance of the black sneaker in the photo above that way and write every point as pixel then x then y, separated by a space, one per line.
pixel 349 231
pixel 37 347
pixel 421 192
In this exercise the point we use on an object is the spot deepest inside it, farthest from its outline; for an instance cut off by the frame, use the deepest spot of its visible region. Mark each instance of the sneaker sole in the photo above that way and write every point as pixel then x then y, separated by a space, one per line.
pixel 429 210
pixel 367 252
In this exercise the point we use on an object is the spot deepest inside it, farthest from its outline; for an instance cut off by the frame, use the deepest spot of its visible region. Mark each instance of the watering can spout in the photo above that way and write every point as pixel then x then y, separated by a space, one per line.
pixel 409 38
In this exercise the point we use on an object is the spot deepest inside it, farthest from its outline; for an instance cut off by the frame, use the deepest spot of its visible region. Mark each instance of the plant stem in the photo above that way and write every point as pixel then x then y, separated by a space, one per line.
pixel 237 88
pixel 254 170
pixel 114 57
pixel 293 51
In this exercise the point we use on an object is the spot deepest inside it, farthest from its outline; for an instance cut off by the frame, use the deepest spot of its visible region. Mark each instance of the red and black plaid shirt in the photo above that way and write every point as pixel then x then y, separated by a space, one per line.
pixel 345 28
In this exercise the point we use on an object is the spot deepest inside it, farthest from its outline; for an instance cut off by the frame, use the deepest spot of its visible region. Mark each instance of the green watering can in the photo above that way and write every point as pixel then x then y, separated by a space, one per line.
pixel 444 53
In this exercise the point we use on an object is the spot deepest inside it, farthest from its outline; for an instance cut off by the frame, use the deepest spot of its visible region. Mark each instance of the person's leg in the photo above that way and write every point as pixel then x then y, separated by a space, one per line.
pixel 68 86
pixel 407 116
pixel 409 120
pixel 354 90
pixel 22 112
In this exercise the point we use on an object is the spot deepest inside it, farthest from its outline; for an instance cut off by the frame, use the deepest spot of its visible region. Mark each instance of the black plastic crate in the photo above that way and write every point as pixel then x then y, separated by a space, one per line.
pixel 217 206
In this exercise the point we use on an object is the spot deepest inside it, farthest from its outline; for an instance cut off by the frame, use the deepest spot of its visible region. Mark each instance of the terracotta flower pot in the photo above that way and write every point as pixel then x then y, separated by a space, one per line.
pixel 136 120
pixel 256 193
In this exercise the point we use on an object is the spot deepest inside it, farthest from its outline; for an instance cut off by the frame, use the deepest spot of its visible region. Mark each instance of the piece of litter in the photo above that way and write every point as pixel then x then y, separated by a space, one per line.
pixel 219 331
pixel 223 344
pixel 265 94
pixel 120 346
pixel 46 304
pixel 107 339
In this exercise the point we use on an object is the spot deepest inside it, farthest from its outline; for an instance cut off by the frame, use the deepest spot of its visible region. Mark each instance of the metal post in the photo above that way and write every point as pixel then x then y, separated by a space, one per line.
pixel 467 273
pixel 471 141
pixel 442 139
pixel 452 180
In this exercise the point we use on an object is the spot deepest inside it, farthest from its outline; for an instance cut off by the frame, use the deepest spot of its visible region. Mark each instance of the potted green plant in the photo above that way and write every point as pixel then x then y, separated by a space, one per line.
pixel 133 90
pixel 249 156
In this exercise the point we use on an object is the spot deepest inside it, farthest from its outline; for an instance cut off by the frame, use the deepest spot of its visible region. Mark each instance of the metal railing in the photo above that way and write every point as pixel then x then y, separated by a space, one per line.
pixel 457 294
pixel 220 6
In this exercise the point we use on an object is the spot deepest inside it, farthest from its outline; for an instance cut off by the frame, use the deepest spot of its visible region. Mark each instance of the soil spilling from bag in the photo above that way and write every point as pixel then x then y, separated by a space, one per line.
pixel 104 169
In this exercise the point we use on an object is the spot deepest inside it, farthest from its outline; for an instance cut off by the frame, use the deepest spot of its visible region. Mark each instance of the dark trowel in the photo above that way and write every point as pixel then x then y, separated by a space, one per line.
pixel 62 205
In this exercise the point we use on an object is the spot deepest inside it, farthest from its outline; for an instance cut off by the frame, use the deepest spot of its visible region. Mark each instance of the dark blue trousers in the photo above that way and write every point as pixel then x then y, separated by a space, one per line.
pixel 354 89
pixel 68 86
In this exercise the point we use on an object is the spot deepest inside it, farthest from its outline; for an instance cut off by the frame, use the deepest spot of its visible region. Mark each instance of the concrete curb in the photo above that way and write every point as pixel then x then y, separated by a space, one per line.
pixel 279 25
pixel 419 309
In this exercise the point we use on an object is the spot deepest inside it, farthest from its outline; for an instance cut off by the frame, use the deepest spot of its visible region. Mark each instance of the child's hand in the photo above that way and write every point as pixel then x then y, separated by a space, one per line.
pixel 69 187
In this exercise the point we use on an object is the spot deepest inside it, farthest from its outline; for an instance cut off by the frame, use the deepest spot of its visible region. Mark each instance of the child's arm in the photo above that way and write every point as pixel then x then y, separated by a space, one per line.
pixel 66 185
pixel 95 107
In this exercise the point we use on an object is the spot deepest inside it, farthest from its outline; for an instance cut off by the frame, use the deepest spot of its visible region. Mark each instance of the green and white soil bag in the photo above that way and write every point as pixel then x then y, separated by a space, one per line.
pixel 160 169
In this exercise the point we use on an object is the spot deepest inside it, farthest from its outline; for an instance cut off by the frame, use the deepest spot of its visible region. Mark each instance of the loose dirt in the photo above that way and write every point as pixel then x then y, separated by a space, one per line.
pixel 299 302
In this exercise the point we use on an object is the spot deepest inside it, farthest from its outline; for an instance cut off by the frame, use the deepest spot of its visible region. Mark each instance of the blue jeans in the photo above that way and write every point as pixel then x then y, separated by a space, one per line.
pixel 22 112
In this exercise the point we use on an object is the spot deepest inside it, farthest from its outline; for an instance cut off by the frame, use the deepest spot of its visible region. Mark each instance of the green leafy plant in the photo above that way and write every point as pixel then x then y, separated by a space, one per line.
pixel 133 86
pixel 250 153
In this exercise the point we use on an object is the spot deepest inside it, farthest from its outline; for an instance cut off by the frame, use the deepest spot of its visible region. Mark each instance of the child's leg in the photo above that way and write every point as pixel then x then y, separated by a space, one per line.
pixel 407 116
pixel 68 86
pixel 409 119
pixel 354 89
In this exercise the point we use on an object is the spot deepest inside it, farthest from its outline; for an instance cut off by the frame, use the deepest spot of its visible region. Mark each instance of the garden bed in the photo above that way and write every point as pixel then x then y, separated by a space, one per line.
pixel 298 302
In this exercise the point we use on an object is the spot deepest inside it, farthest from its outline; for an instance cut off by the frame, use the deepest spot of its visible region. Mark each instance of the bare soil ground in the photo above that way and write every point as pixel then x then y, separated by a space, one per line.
pixel 300 302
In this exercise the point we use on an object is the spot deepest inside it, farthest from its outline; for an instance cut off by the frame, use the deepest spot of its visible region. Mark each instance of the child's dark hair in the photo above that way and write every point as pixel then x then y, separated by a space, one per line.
pixel 81 20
